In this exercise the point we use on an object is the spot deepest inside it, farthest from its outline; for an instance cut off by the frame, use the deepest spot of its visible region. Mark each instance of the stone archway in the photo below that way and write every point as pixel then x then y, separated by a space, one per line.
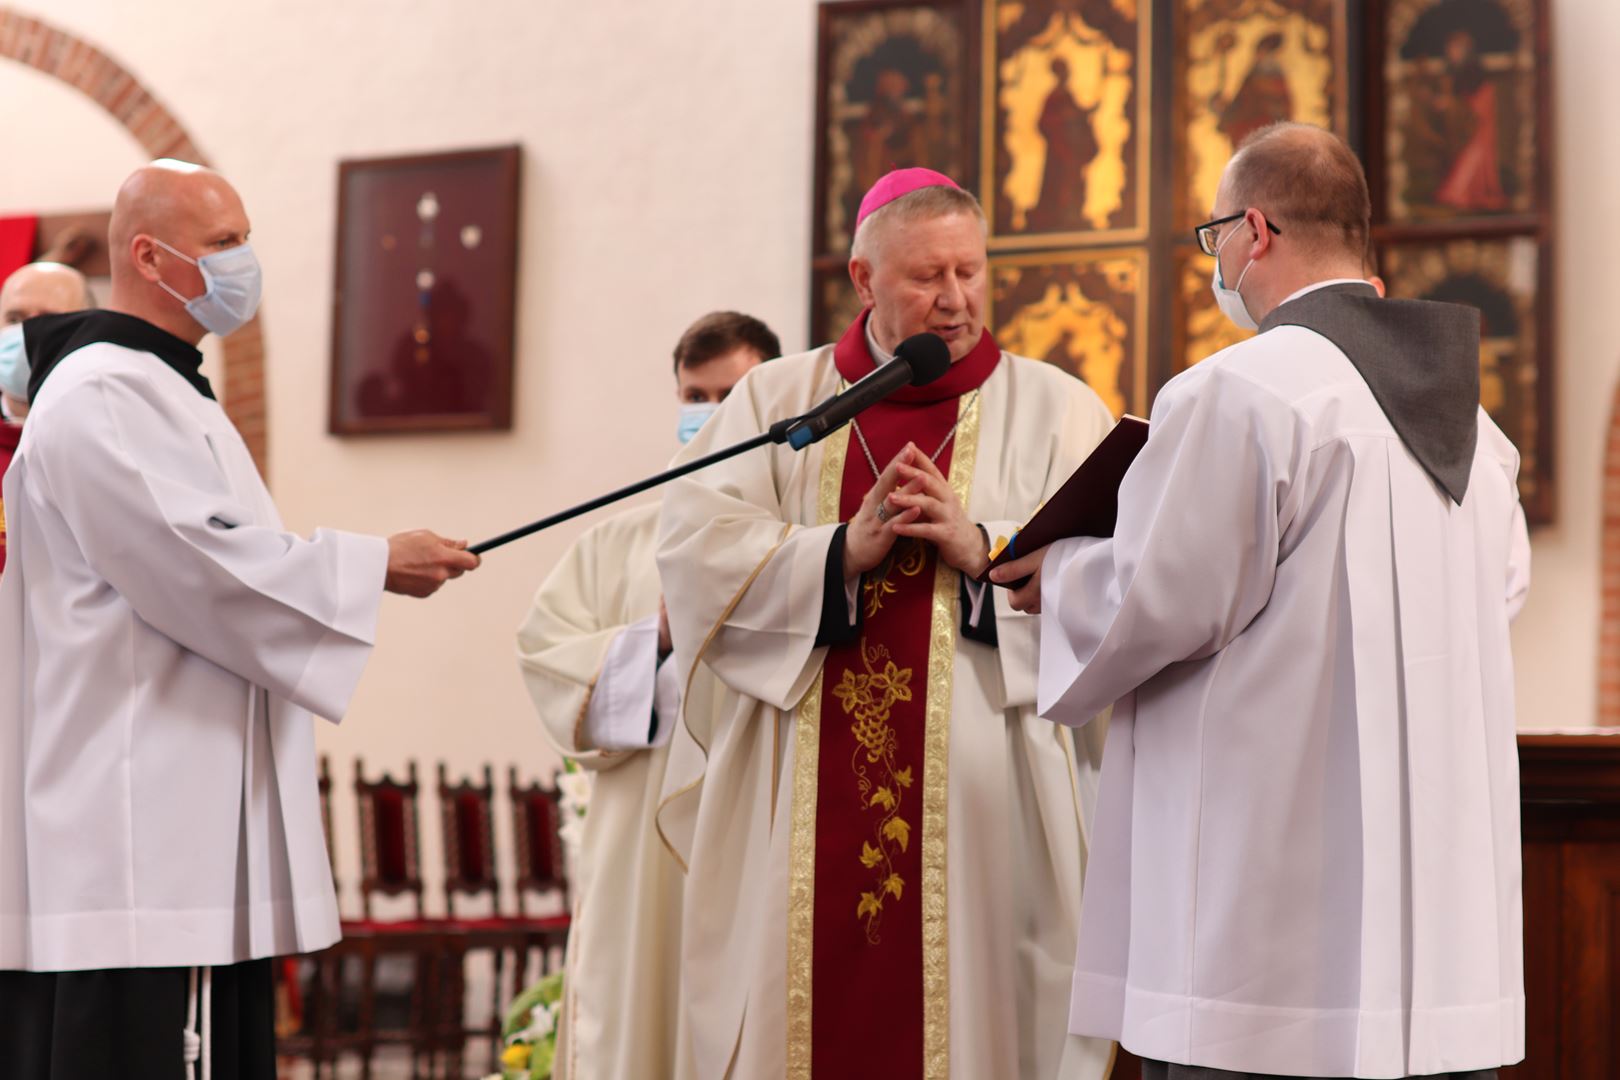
pixel 99 77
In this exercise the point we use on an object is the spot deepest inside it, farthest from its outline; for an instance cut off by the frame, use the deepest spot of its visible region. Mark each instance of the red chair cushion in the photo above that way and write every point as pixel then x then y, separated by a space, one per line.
pixel 388 814
pixel 544 864
pixel 474 858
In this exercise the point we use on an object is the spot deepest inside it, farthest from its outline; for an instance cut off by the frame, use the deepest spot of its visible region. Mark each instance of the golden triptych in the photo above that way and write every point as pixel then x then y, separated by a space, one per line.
pixel 1095 132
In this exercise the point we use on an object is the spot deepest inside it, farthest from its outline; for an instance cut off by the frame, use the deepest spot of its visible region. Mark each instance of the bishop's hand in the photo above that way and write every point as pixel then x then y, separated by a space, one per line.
pixel 420 561
pixel 932 512
pixel 872 530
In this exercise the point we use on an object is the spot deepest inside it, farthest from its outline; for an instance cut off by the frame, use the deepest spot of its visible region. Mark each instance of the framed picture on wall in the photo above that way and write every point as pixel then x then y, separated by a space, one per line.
pixel 1066 109
pixel 424 301
pixel 1462 190
pixel 894 90
pixel 1241 65
pixel 1502 277
pixel 1083 310
pixel 1462 128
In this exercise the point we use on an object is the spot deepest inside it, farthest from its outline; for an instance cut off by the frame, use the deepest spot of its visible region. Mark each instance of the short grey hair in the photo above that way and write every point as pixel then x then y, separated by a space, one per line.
pixel 920 205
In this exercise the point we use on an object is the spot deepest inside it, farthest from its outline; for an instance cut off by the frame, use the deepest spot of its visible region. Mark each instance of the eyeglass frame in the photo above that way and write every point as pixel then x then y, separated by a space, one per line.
pixel 1209 247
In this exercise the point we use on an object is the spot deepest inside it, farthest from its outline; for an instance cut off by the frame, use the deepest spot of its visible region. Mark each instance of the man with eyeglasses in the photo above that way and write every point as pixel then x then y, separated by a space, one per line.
pixel 1306 856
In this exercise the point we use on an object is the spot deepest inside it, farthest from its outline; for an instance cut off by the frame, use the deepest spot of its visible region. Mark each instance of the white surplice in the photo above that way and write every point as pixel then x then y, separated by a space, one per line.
pixel 589 654
pixel 163 642
pixel 742 556
pixel 1306 852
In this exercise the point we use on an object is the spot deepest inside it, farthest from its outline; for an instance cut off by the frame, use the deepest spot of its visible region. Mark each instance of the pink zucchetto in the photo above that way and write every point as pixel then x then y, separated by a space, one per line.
pixel 897 184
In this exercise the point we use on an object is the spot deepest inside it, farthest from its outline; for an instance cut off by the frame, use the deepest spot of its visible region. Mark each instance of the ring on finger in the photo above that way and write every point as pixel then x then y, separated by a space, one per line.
pixel 883 511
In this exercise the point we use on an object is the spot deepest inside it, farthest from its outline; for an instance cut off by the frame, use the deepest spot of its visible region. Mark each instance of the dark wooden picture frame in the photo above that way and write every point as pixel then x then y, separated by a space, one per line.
pixel 834 304
pixel 1396 227
pixel 1461 135
pixel 425 293
pixel 1297 30
pixel 958 89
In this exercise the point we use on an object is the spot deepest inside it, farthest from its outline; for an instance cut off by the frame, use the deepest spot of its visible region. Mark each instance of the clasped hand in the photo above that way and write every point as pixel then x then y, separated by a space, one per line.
pixel 915 500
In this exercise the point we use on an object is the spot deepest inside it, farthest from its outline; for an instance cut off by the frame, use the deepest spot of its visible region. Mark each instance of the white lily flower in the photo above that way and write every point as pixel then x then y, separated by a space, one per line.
pixel 576 790
pixel 542 1022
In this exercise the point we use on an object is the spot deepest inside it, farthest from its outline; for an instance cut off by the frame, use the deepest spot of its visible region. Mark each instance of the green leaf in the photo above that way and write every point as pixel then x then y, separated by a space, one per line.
pixel 545 1055
pixel 545 992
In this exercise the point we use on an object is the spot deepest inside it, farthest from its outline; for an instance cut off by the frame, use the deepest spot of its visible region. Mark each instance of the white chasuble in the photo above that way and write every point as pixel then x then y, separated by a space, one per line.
pixel 164 641
pixel 584 650
pixel 998 797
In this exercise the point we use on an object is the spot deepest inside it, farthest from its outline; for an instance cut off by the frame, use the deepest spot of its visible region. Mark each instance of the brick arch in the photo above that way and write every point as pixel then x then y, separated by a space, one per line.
pixel 105 81
pixel 1609 627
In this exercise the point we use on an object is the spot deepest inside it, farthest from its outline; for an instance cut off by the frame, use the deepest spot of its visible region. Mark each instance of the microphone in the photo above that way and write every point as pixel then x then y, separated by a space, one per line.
pixel 919 360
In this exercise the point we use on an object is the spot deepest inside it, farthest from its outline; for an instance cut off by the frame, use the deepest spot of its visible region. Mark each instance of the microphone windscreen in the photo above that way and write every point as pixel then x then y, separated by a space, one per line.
pixel 927 355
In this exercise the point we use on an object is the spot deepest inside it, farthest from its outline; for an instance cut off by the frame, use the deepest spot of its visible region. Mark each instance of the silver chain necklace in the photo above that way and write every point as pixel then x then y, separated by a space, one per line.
pixel 934 457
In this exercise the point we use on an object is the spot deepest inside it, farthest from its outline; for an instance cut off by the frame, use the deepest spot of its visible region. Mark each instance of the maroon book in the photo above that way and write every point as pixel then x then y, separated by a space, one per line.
pixel 1088 502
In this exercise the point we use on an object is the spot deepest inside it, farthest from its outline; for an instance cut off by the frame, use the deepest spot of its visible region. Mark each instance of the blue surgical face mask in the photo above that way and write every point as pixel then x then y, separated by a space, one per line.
pixel 232 283
pixel 1230 301
pixel 14 369
pixel 693 416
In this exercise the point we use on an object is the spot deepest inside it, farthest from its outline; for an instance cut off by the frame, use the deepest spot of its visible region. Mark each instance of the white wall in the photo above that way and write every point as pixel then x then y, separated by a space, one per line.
pixel 667 172
pixel 1555 640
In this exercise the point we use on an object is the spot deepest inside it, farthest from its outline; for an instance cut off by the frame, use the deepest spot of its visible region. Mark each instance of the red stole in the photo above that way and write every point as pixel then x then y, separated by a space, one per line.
pixel 10 437
pixel 867 966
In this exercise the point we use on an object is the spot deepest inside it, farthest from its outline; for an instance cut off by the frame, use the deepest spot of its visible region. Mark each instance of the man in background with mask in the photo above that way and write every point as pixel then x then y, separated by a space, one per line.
pixel 1307 842
pixel 42 288
pixel 594 652
pixel 163 643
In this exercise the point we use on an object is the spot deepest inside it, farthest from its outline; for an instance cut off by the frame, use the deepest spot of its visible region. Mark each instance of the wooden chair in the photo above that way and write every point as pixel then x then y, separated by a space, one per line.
pixel 312 1031
pixel 306 1028
pixel 541 868
pixel 467 820
pixel 389 848
pixel 391 867
pixel 467 816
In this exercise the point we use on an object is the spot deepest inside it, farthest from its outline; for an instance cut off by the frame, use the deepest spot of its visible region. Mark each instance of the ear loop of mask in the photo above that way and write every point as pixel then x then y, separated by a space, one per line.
pixel 1238 288
pixel 165 286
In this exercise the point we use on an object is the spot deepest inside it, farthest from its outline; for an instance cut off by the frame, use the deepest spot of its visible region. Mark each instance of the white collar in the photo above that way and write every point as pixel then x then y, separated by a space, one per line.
pixel 878 355
pixel 1324 284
